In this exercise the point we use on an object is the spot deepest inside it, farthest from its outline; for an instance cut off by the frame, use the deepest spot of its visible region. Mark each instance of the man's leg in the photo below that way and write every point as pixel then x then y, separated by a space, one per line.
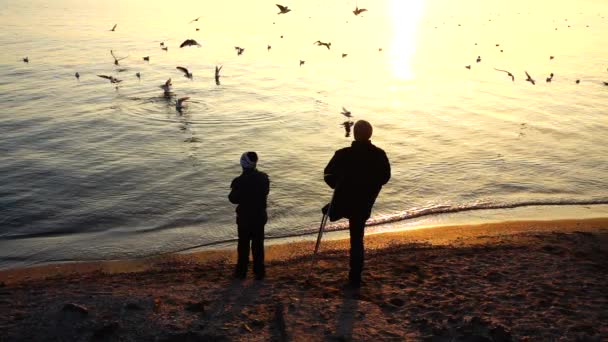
pixel 243 252
pixel 357 255
pixel 257 249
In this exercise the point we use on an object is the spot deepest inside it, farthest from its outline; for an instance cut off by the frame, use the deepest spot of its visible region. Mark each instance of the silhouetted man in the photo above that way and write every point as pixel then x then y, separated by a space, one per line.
pixel 250 191
pixel 357 173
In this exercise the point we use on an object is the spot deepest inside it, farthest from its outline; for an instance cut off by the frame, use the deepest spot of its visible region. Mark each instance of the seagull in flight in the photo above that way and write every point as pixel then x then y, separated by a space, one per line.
pixel 179 104
pixel 283 9
pixel 111 78
pixel 508 74
pixel 269 47
pixel 320 43
pixel 468 67
pixel 530 79
pixel 358 10
pixel 302 62
pixel 193 20
pixel 114 27
pixel 189 42
pixel 346 112
pixel 550 78
pixel 26 60
pixel 344 55
pixel 147 58
pixel 239 50
pixel 186 72
pixel 116 59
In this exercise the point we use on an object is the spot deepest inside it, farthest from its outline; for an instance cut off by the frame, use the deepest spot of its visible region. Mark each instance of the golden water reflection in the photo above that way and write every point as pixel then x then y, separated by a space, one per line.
pixel 405 18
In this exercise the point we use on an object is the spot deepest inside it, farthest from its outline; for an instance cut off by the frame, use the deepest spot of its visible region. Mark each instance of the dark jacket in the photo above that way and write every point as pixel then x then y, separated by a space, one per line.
pixel 357 173
pixel 250 192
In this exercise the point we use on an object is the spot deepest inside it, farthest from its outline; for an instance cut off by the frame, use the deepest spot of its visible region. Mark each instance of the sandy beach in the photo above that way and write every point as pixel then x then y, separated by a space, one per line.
pixel 520 281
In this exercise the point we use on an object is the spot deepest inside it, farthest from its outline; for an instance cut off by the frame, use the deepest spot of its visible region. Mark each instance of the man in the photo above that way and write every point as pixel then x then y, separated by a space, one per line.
pixel 250 192
pixel 357 173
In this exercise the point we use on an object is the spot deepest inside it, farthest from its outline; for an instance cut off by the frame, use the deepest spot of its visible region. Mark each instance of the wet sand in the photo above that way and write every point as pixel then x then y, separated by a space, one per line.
pixel 529 280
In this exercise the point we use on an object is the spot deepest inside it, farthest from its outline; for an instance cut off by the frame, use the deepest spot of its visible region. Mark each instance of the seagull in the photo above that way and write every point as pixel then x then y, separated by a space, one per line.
pixel 283 9
pixel 167 88
pixel 606 83
pixel 111 78
pixel 358 10
pixel 193 20
pixel 162 43
pixel 186 72
pixel 239 50
pixel 115 58
pixel 138 75
pixel 302 62
pixel 165 48
pixel 347 125
pixel 269 47
pixel 189 42
pixel 147 58
pixel 578 81
pixel 198 29
pixel 508 74
pixel 320 43
pixel 530 79
pixel 468 67
pixel 114 28
pixel 26 60
pixel 344 55
pixel 217 74
pixel 179 104
pixel 551 57
pixel 77 75
pixel 478 59
pixel 550 78
pixel 346 112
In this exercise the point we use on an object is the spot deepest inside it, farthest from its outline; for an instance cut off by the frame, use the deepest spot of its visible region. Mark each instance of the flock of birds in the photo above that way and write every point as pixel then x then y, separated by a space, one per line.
pixel 180 102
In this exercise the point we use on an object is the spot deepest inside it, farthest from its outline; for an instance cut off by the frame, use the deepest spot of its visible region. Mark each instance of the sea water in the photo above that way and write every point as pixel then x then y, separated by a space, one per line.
pixel 89 170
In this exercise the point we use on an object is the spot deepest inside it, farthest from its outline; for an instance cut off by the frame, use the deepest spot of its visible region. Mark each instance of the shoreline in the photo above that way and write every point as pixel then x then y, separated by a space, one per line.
pixel 283 249
pixel 513 281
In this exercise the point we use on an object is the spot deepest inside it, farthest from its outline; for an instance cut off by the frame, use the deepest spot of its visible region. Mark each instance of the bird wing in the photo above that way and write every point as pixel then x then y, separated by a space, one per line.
pixel 193 20
pixel 182 69
pixel 168 83
pixel 528 75
pixel 106 77
pixel 182 99
pixel 114 27
pixel 345 111
pixel 282 8
pixel 502 70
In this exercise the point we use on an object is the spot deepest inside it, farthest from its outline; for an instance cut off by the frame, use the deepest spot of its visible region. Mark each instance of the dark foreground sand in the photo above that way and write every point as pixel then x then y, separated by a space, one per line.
pixel 535 281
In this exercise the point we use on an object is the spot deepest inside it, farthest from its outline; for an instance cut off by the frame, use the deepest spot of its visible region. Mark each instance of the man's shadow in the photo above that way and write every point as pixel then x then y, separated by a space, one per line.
pixel 347 315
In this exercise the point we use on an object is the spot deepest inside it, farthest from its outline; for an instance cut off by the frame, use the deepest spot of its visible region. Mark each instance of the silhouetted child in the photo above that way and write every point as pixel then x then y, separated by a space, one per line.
pixel 249 192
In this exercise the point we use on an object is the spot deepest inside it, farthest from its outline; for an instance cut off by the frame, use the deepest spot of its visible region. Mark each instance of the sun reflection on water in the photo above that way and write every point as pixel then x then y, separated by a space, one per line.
pixel 405 18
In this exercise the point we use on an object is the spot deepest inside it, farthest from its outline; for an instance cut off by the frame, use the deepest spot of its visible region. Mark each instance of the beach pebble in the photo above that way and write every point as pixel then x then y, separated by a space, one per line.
pixel 75 308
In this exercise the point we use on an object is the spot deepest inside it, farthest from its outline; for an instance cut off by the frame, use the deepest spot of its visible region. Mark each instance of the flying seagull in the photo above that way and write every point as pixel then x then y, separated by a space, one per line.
pixel 269 47
pixel 116 59
pixel 111 78
pixel 530 79
pixel 347 125
pixel 179 104
pixel 166 48
pixel 283 9
pixel 189 42
pixel 147 58
pixel 320 43
pixel 114 28
pixel 550 78
pixel 302 62
pixel 346 112
pixel 26 60
pixel 478 59
pixel 186 72
pixel 344 55
pixel 468 67
pixel 193 20
pixel 358 10
pixel 508 74
pixel 239 50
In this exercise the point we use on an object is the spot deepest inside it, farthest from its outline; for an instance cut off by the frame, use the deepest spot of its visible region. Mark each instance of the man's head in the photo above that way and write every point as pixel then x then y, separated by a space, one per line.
pixel 249 160
pixel 363 130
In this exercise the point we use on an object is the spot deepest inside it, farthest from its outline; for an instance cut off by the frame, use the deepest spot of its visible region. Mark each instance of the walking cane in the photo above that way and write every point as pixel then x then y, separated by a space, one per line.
pixel 324 219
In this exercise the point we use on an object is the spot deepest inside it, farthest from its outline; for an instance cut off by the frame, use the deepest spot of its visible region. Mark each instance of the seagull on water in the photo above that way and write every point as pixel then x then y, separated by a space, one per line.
pixel 147 58
pixel 138 75
pixel 508 74
pixel 186 72
pixel 77 75
pixel 283 9
pixel 320 43
pixel 529 78
pixel 26 60
pixel 468 67
pixel 112 79
pixel 179 104
pixel 217 74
